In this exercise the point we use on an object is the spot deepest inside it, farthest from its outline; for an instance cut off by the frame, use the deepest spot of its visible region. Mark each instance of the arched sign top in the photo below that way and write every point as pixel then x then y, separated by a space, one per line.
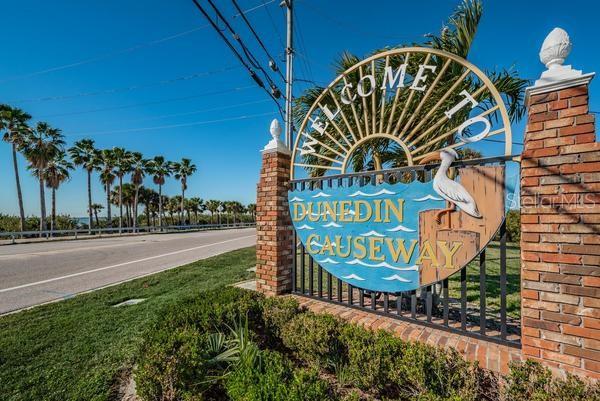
pixel 409 102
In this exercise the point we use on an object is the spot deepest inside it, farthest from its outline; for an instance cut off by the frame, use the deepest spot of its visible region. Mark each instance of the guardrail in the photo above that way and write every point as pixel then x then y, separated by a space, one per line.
pixel 98 232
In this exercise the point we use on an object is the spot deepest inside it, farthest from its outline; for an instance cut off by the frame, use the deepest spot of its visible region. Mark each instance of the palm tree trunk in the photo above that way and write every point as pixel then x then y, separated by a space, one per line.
pixel 127 213
pixel 89 191
pixel 19 193
pixel 147 215
pixel 42 207
pixel 97 221
pixel 53 218
pixel 108 211
pixel 160 211
pixel 378 167
pixel 135 207
pixel 120 203
pixel 182 204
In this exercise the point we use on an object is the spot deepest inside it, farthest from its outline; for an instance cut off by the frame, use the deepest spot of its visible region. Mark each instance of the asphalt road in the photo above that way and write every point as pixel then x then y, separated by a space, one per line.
pixel 31 274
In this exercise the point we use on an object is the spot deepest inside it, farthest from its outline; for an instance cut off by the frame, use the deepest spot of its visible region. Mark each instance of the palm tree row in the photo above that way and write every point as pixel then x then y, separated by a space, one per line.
pixel 115 164
pixel 44 149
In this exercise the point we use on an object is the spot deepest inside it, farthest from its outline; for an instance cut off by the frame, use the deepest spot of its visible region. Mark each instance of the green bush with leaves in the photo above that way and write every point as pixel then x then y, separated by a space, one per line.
pixel 513 225
pixel 313 339
pixel 370 356
pixel 232 344
pixel 529 381
pixel 271 377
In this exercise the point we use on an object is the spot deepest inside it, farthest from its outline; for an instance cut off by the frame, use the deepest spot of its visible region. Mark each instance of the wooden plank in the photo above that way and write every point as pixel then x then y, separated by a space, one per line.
pixel 486 185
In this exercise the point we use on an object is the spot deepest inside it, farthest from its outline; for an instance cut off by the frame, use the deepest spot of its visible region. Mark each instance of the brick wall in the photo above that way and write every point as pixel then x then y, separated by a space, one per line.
pixel 273 225
pixel 560 240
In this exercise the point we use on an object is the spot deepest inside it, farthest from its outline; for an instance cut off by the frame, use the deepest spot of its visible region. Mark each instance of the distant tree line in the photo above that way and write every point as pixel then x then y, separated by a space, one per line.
pixel 51 163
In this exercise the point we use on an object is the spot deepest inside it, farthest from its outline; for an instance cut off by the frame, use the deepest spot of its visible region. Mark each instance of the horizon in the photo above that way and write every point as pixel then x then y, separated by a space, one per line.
pixel 142 84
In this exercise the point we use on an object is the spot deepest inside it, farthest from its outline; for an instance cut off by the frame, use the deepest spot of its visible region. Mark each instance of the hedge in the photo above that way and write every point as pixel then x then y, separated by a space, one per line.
pixel 236 345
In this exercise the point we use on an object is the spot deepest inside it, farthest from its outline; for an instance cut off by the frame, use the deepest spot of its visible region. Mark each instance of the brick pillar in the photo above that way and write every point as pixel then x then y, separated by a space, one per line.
pixel 560 226
pixel 273 223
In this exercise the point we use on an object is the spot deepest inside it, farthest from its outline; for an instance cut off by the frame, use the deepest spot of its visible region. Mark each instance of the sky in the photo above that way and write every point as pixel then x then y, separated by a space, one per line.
pixel 152 76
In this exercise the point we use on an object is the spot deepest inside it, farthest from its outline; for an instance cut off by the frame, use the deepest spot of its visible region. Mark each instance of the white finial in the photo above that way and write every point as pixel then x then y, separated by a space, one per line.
pixel 554 51
pixel 276 144
pixel 556 48
pixel 275 129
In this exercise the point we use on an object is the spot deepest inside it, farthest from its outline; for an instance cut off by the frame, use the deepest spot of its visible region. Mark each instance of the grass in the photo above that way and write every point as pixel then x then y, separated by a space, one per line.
pixel 513 278
pixel 492 283
pixel 77 349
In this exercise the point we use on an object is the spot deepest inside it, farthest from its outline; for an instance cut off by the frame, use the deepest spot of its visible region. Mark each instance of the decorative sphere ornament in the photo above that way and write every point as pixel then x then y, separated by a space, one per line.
pixel 556 48
pixel 275 129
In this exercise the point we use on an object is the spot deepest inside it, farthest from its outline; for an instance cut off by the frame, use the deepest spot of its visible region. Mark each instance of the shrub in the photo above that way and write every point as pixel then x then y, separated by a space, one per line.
pixel 370 356
pixel 172 366
pixel 424 372
pixel 529 381
pixel 313 338
pixel 272 378
pixel 277 312
pixel 513 225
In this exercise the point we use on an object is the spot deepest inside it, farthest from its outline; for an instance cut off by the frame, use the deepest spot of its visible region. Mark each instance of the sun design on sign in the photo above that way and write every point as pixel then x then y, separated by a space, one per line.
pixel 401 105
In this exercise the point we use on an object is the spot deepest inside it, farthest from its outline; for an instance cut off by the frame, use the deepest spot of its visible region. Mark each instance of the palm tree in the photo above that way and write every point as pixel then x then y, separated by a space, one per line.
pixel 455 37
pixel 212 206
pixel 122 159
pixel 96 207
pixel 83 153
pixel 106 165
pixel 251 208
pixel 56 173
pixel 195 205
pixel 139 168
pixel 160 169
pixel 43 144
pixel 182 171
pixel 14 122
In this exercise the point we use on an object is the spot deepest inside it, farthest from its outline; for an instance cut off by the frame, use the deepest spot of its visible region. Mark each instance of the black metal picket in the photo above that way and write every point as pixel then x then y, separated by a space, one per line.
pixel 430 305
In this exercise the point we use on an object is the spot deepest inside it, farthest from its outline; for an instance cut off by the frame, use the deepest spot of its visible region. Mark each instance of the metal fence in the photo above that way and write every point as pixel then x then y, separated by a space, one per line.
pixel 467 313
pixel 99 232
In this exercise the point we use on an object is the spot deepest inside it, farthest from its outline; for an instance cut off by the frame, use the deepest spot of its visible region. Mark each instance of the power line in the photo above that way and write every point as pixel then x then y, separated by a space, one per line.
pixel 118 52
pixel 126 88
pixel 105 56
pixel 159 127
pixel 234 50
pixel 255 8
pixel 272 63
pixel 249 56
pixel 128 106
pixel 273 24
pixel 188 113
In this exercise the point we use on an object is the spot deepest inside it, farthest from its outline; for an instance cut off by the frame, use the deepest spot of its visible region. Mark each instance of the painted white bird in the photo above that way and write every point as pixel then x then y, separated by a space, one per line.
pixel 452 191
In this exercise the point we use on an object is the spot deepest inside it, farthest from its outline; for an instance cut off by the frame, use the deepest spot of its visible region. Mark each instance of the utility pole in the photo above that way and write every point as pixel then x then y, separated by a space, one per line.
pixel 289 73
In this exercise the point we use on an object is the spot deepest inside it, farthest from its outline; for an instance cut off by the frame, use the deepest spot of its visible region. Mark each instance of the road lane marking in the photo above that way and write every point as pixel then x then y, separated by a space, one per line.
pixel 120 264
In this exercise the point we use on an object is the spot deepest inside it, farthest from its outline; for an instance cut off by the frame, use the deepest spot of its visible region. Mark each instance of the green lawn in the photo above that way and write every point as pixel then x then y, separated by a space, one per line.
pixel 492 288
pixel 76 349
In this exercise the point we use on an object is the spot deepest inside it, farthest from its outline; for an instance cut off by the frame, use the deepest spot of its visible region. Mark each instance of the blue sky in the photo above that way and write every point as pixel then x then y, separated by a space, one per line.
pixel 107 45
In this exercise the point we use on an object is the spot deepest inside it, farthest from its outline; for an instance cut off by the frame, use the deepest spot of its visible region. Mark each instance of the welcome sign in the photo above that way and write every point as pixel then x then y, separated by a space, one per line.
pixel 418 105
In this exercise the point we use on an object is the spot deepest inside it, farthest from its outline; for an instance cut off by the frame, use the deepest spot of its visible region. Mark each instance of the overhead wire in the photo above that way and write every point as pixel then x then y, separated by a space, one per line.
pixel 213 93
pixel 281 42
pixel 188 113
pixel 104 56
pixel 274 67
pixel 249 56
pixel 115 53
pixel 170 126
pixel 127 88
pixel 236 53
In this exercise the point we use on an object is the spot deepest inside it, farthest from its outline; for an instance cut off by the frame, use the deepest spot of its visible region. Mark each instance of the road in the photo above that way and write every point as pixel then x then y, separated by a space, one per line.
pixel 31 274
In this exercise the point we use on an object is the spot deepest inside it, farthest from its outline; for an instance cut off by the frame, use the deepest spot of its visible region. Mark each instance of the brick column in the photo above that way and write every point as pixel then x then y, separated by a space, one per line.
pixel 273 223
pixel 560 226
